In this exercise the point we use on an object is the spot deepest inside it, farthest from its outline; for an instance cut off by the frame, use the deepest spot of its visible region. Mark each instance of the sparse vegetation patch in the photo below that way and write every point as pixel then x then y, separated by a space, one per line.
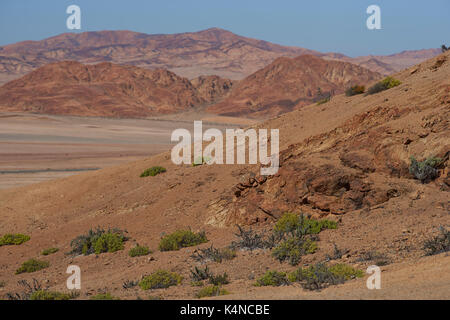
pixel 213 254
pixel 32 265
pixel 385 84
pixel 139 251
pixel 52 295
pixel 181 239
pixel 153 171
pixel 293 249
pixel 211 291
pixel 290 222
pixel 104 296
pixel 272 278
pixel 160 279
pixel 99 241
pixel 438 244
pixel 353 91
pixel 49 251
pixel 426 170
pixel 13 239
pixel 320 276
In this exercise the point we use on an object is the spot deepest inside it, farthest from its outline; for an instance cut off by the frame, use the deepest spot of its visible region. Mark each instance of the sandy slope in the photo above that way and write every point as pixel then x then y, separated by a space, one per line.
pixel 393 223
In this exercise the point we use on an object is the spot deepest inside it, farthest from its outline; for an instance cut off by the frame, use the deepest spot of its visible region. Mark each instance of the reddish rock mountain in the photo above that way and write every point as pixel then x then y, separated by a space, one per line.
pixel 289 83
pixel 212 88
pixel 103 89
pixel 209 52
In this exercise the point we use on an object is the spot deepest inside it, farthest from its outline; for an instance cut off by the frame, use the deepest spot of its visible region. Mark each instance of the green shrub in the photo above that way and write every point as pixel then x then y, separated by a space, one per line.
pixel 13 239
pixel 352 91
pixel 181 239
pixel 290 222
pixel 160 279
pixel 293 249
pixel 345 271
pixel 211 291
pixel 272 278
pixel 139 251
pixel 438 244
pixel 52 295
pixel 104 296
pixel 98 241
pixel 320 276
pixel 385 84
pixel 425 171
pixel 287 223
pixel 49 251
pixel 153 171
pixel 32 265
pixel 108 242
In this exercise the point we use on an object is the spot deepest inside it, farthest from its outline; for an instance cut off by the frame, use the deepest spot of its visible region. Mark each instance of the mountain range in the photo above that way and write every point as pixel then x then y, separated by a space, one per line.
pixel 209 52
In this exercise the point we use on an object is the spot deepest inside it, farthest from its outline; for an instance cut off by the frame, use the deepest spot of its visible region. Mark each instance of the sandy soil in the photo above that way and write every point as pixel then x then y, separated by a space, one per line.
pixel 411 119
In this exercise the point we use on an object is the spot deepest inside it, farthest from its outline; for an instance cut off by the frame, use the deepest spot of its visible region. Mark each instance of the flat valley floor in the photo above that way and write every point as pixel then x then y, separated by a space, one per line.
pixel 36 148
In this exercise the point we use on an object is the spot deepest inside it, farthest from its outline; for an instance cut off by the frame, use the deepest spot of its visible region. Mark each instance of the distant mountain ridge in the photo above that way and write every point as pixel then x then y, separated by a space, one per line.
pixel 209 52
pixel 111 90
pixel 289 83
pixel 104 89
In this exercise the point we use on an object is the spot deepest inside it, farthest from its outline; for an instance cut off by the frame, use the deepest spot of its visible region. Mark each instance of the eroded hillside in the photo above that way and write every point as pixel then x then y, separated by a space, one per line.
pixel 346 160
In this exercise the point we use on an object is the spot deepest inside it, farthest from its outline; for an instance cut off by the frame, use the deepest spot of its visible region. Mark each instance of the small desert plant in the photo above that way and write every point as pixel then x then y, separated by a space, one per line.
pixel 251 240
pixel 139 251
pixel 272 278
pixel 444 48
pixel 320 276
pixel 219 279
pixel 425 171
pixel 29 289
pixel 128 284
pixel 49 251
pixel 385 84
pixel 290 222
pixel 32 265
pixel 52 295
pixel 213 254
pixel 153 171
pixel 337 253
pixel 104 296
pixel 98 241
pixel 13 239
pixel 2 284
pixel 438 244
pixel 376 258
pixel 199 274
pixel 160 279
pixel 345 271
pixel 293 248
pixel 211 291
pixel 353 91
pixel 181 239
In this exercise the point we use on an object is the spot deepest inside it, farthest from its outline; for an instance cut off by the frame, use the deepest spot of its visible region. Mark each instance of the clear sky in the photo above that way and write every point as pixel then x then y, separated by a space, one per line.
pixel 323 25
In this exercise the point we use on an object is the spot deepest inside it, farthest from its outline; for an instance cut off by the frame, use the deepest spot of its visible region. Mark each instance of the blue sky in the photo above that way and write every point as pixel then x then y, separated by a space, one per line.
pixel 323 25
